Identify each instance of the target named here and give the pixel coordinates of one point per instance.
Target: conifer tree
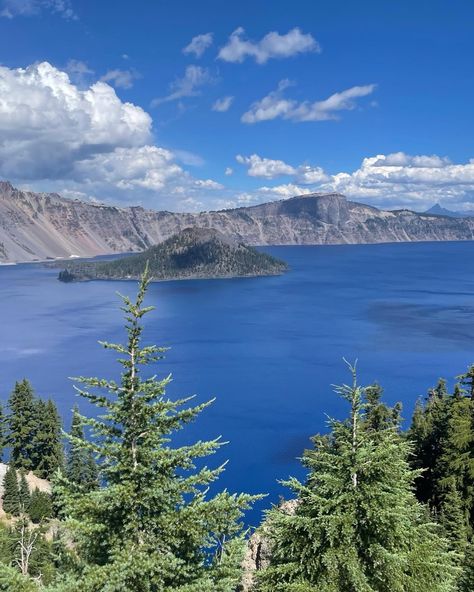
(3, 432)
(453, 519)
(466, 580)
(23, 425)
(48, 454)
(23, 493)
(358, 526)
(81, 467)
(40, 506)
(151, 525)
(11, 493)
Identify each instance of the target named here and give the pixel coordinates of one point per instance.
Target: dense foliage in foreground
(380, 511)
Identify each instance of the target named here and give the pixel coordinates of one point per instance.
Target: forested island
(381, 509)
(190, 254)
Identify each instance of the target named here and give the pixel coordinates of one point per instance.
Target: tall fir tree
(23, 493)
(48, 453)
(11, 493)
(151, 525)
(23, 425)
(357, 526)
(81, 468)
(3, 432)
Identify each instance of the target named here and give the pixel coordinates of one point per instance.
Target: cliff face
(39, 225)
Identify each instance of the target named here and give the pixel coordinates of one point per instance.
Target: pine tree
(151, 525)
(22, 423)
(467, 380)
(40, 506)
(3, 432)
(453, 519)
(466, 581)
(427, 434)
(24, 493)
(48, 454)
(81, 467)
(11, 493)
(358, 526)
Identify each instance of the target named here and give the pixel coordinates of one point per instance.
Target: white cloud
(223, 104)
(187, 86)
(121, 78)
(88, 143)
(284, 191)
(401, 180)
(265, 167)
(229, 171)
(208, 184)
(273, 45)
(13, 8)
(199, 44)
(275, 105)
(308, 175)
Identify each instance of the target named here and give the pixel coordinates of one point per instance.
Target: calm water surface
(267, 348)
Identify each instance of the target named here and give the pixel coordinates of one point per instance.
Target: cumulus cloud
(121, 78)
(13, 8)
(222, 105)
(265, 167)
(188, 85)
(284, 191)
(275, 105)
(308, 175)
(199, 44)
(401, 180)
(273, 45)
(229, 171)
(87, 142)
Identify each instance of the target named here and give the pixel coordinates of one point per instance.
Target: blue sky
(373, 99)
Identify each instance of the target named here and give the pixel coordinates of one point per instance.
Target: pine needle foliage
(151, 525)
(357, 526)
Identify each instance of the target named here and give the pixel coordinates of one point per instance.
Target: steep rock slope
(38, 225)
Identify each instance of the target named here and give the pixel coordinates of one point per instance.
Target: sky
(190, 105)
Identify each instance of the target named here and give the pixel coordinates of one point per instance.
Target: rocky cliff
(39, 225)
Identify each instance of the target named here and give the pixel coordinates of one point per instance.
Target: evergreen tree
(48, 454)
(81, 467)
(453, 519)
(466, 581)
(3, 432)
(358, 526)
(23, 425)
(427, 434)
(40, 506)
(151, 526)
(467, 380)
(23, 493)
(11, 493)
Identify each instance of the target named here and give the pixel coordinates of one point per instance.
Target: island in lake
(192, 253)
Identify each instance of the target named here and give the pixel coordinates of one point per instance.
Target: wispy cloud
(121, 78)
(222, 105)
(199, 44)
(27, 8)
(276, 105)
(273, 45)
(189, 85)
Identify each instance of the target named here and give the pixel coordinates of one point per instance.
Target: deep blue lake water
(267, 348)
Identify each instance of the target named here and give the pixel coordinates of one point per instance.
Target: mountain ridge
(39, 226)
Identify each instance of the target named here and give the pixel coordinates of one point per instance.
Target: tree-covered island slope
(192, 253)
(380, 509)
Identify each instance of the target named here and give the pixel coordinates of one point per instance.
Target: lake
(268, 349)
